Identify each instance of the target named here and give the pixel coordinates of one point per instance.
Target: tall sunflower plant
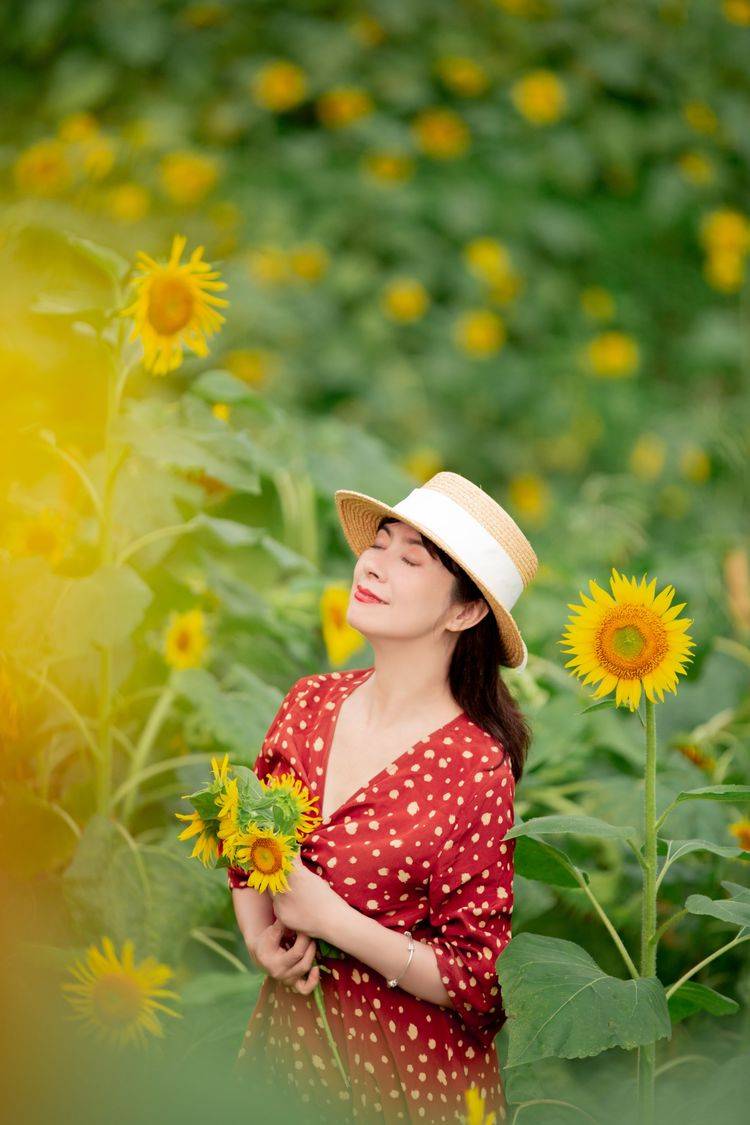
(632, 642)
(149, 314)
(256, 825)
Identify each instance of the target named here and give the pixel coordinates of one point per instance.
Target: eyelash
(377, 547)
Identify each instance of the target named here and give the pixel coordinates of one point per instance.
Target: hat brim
(360, 514)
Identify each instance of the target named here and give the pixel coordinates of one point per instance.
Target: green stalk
(706, 961)
(647, 1053)
(297, 499)
(143, 748)
(607, 922)
(104, 703)
(318, 994)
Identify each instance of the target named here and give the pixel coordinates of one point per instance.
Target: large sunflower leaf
(238, 720)
(693, 997)
(730, 910)
(579, 825)
(730, 793)
(676, 849)
(560, 1003)
(536, 859)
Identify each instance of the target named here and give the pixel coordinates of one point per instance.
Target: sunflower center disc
(170, 306)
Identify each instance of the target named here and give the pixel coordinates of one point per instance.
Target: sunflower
(740, 829)
(173, 307)
(630, 640)
(221, 769)
(206, 847)
(266, 855)
(475, 1108)
(227, 806)
(405, 299)
(287, 783)
(117, 999)
(185, 640)
(46, 533)
(340, 638)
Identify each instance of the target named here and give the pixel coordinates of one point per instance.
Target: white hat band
(471, 541)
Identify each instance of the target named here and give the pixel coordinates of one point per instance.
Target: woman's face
(414, 585)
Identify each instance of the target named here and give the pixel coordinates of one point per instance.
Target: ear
(468, 615)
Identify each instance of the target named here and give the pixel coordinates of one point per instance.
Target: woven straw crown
(462, 519)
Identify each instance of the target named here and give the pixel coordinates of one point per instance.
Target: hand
(308, 903)
(290, 966)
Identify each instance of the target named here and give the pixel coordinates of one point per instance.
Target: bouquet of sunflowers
(241, 821)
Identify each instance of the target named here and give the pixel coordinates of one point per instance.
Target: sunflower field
(251, 253)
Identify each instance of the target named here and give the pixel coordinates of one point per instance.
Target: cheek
(416, 595)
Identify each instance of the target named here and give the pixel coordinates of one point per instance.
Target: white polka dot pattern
(418, 847)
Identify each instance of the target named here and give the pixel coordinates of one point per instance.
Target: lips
(367, 595)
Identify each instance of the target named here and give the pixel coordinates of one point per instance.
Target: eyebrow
(411, 539)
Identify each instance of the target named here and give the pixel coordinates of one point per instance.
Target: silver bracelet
(412, 945)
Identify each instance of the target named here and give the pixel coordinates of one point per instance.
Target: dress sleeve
(470, 898)
(266, 759)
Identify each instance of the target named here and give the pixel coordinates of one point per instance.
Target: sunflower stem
(297, 499)
(154, 536)
(143, 748)
(608, 923)
(647, 1052)
(669, 922)
(202, 937)
(318, 994)
(104, 702)
(665, 814)
(706, 961)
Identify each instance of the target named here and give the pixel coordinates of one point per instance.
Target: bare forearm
(386, 951)
(253, 910)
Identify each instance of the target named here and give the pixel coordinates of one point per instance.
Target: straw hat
(468, 525)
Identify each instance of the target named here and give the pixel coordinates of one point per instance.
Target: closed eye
(377, 547)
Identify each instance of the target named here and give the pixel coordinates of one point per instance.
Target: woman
(413, 762)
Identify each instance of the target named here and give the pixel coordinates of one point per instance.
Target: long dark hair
(475, 682)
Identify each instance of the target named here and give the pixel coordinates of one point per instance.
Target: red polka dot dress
(419, 847)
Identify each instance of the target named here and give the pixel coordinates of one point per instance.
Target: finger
(291, 976)
(276, 928)
(306, 984)
(294, 956)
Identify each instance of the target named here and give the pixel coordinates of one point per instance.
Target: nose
(373, 572)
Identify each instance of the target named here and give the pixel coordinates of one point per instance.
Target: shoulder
(484, 756)
(316, 689)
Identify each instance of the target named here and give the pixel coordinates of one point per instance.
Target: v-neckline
(334, 716)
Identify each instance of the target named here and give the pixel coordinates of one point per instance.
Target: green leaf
(34, 835)
(679, 848)
(736, 890)
(204, 803)
(220, 386)
(99, 610)
(230, 533)
(238, 720)
(152, 894)
(73, 275)
(580, 825)
(692, 997)
(561, 1004)
(536, 859)
(104, 257)
(68, 304)
(730, 793)
(601, 703)
(157, 432)
(730, 910)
